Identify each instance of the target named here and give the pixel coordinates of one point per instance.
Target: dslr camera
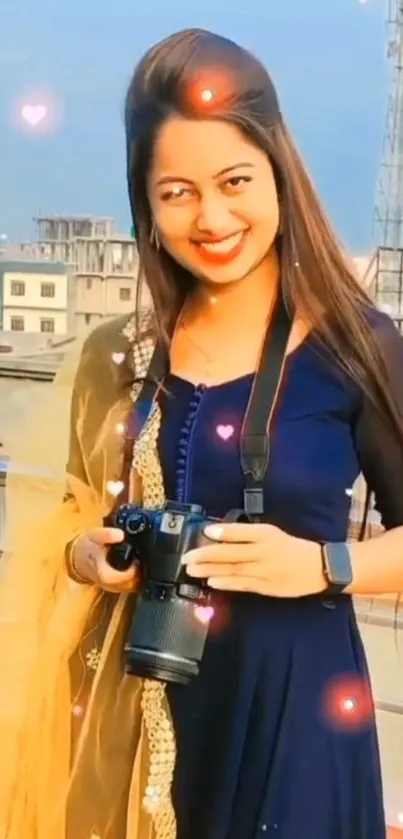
(170, 621)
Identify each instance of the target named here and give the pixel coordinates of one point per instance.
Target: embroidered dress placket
(182, 463)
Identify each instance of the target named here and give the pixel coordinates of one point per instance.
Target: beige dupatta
(89, 752)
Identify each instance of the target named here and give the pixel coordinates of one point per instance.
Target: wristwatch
(337, 568)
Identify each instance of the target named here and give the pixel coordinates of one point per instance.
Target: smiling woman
(222, 217)
(276, 735)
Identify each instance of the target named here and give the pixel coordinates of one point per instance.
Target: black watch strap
(337, 568)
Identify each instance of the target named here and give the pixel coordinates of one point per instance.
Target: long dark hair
(317, 279)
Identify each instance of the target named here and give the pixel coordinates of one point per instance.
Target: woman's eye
(176, 193)
(237, 181)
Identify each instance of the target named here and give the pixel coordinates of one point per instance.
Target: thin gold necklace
(196, 345)
(209, 361)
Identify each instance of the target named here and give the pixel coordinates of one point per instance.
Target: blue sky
(327, 58)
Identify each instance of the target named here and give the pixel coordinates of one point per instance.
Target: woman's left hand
(257, 558)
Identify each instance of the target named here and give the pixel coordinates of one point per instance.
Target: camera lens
(166, 639)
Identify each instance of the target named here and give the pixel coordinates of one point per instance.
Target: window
(47, 325)
(89, 283)
(17, 324)
(47, 290)
(17, 288)
(125, 293)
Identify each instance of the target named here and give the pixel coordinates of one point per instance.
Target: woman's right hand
(88, 561)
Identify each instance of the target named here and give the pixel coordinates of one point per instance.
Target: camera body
(169, 627)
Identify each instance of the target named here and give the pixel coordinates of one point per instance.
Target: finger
(223, 552)
(217, 570)
(94, 552)
(106, 535)
(237, 532)
(109, 576)
(253, 585)
(119, 587)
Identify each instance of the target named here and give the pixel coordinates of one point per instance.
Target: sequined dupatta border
(160, 739)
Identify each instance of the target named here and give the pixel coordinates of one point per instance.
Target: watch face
(338, 564)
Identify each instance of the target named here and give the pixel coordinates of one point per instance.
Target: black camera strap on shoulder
(255, 440)
(157, 370)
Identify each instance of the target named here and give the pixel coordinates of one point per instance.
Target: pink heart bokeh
(118, 357)
(33, 114)
(225, 431)
(204, 613)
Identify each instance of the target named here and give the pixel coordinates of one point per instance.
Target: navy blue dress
(276, 737)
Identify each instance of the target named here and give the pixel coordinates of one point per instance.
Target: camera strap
(255, 436)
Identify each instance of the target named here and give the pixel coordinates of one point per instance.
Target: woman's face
(213, 197)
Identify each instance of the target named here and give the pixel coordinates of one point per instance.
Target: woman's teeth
(225, 246)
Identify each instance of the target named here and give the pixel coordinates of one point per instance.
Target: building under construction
(103, 264)
(388, 218)
(57, 232)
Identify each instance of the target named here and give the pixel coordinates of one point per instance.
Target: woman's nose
(213, 216)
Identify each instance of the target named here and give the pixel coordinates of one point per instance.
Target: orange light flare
(347, 703)
(208, 93)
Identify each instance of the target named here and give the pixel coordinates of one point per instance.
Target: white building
(34, 297)
(104, 266)
(104, 280)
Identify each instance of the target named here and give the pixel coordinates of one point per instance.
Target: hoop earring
(154, 237)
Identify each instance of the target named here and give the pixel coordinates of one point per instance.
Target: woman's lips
(223, 251)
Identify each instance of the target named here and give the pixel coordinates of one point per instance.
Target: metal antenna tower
(388, 216)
